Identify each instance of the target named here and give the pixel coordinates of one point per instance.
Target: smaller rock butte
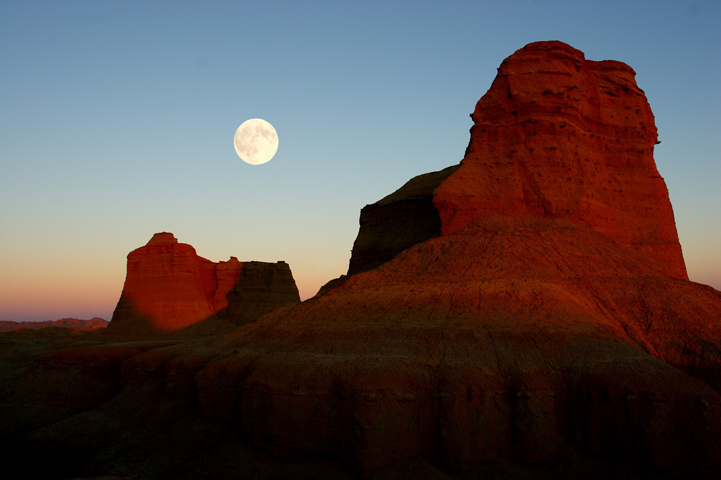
(169, 287)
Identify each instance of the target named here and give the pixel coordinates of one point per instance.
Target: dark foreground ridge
(525, 314)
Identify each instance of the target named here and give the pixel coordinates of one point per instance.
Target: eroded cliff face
(169, 287)
(564, 137)
(556, 135)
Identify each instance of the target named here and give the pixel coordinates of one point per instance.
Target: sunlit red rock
(169, 287)
(556, 136)
(560, 136)
(498, 321)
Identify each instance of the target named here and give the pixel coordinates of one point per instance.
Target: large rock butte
(556, 136)
(169, 287)
(523, 315)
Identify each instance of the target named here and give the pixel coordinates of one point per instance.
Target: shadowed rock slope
(400, 220)
(513, 338)
(536, 324)
(169, 288)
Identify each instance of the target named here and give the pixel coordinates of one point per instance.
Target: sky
(117, 121)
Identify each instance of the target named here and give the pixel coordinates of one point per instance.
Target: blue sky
(117, 120)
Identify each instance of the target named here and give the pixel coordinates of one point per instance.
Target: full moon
(256, 141)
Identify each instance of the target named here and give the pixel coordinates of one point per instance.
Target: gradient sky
(117, 121)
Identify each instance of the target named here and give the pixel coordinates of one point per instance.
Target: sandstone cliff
(522, 315)
(556, 136)
(169, 287)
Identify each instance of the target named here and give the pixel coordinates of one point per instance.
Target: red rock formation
(564, 137)
(557, 136)
(530, 316)
(512, 338)
(526, 345)
(530, 331)
(169, 287)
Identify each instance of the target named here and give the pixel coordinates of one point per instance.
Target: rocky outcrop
(513, 338)
(515, 332)
(259, 288)
(398, 221)
(564, 137)
(527, 346)
(169, 287)
(556, 136)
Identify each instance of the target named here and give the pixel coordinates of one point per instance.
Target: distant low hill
(93, 323)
